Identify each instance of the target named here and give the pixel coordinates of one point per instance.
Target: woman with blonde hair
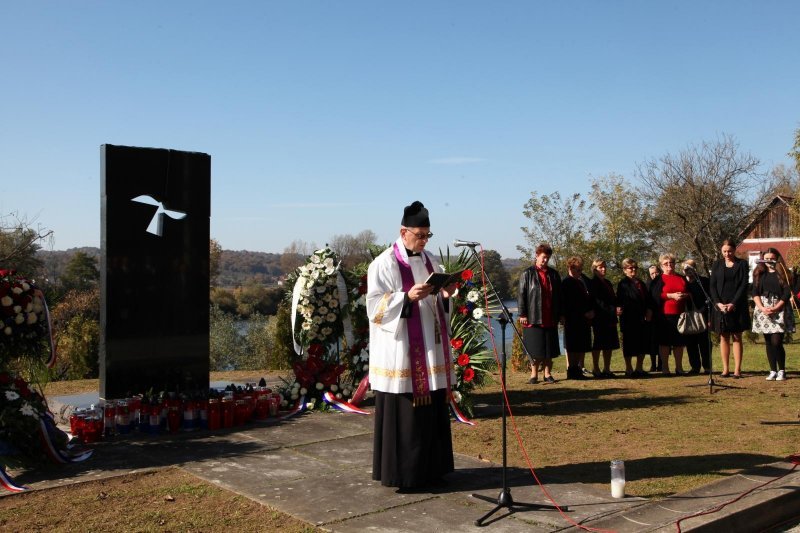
(670, 292)
(636, 308)
(604, 326)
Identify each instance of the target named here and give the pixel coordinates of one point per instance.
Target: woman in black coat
(633, 298)
(731, 314)
(604, 326)
(578, 315)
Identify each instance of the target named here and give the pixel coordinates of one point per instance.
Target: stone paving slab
(317, 467)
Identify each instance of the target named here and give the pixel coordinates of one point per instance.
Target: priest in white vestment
(410, 366)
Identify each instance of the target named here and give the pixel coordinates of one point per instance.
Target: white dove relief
(157, 223)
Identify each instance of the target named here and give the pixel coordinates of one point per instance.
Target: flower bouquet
(24, 318)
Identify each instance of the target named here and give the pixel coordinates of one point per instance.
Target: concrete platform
(317, 467)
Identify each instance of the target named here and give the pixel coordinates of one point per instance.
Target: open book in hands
(443, 279)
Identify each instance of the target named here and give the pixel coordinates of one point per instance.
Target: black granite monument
(154, 268)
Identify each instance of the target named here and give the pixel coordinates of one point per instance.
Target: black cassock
(412, 445)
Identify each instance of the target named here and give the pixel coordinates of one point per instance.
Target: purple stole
(416, 337)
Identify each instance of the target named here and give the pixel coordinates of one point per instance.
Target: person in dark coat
(540, 311)
(653, 272)
(698, 347)
(604, 326)
(578, 316)
(731, 314)
(636, 305)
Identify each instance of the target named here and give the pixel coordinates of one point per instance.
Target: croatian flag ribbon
(339, 405)
(298, 408)
(8, 483)
(53, 452)
(361, 391)
(458, 414)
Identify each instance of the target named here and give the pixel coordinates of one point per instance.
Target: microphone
(458, 243)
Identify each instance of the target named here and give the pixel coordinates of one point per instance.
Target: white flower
(16, 290)
(356, 359)
(29, 307)
(303, 391)
(7, 330)
(363, 300)
(11, 395)
(326, 331)
(27, 410)
(320, 386)
(323, 310)
(310, 403)
(365, 368)
(321, 289)
(330, 317)
(31, 318)
(284, 403)
(317, 319)
(328, 262)
(19, 319)
(477, 313)
(25, 286)
(457, 396)
(6, 301)
(306, 326)
(473, 296)
(334, 303)
(17, 308)
(334, 387)
(315, 258)
(294, 396)
(296, 385)
(338, 395)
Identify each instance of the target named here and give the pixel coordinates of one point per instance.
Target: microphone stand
(711, 383)
(504, 499)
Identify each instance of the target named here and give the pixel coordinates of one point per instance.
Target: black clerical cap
(416, 216)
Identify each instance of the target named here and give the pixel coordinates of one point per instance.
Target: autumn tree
(214, 261)
(497, 273)
(19, 242)
(81, 273)
(700, 196)
(623, 228)
(295, 255)
(565, 224)
(353, 249)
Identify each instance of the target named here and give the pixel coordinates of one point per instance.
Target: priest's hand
(450, 290)
(419, 291)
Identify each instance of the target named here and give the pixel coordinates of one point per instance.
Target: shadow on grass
(598, 472)
(566, 401)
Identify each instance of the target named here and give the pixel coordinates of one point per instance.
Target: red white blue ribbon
(458, 414)
(298, 408)
(53, 452)
(361, 391)
(339, 405)
(7, 483)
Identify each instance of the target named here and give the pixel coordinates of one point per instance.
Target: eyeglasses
(420, 235)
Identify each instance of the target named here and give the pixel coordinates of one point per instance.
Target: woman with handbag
(671, 293)
(771, 295)
(698, 347)
(731, 315)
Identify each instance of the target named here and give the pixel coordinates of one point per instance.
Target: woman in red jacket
(671, 292)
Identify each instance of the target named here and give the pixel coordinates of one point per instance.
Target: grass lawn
(673, 434)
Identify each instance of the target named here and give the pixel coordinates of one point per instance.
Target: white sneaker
(772, 375)
(781, 375)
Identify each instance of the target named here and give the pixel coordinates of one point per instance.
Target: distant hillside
(237, 267)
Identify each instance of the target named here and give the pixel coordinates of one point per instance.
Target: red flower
(463, 310)
(457, 343)
(466, 275)
(468, 374)
(463, 359)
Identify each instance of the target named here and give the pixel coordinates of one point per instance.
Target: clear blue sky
(327, 117)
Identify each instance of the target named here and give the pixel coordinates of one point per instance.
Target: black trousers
(699, 351)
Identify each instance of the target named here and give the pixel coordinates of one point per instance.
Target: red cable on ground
(513, 420)
(794, 459)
